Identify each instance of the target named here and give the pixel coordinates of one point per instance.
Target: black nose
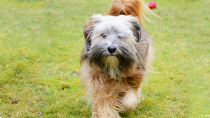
(111, 49)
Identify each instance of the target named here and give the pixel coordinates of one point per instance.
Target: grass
(40, 45)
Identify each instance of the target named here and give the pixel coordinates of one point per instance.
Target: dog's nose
(111, 49)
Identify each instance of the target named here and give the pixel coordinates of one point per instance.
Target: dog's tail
(136, 8)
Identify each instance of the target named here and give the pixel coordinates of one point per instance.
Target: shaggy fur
(131, 7)
(112, 79)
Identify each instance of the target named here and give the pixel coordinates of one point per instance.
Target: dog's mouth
(114, 63)
(111, 55)
(112, 59)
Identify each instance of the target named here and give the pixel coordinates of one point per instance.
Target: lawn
(40, 46)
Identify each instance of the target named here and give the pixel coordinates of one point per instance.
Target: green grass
(40, 45)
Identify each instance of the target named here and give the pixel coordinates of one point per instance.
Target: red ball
(152, 4)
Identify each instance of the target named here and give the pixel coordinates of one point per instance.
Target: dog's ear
(136, 27)
(137, 30)
(88, 28)
(87, 31)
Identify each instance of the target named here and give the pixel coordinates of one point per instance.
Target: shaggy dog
(116, 58)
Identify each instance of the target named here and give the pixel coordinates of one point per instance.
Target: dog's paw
(130, 101)
(105, 115)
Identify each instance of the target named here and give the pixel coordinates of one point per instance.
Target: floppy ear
(136, 27)
(137, 30)
(88, 28)
(87, 31)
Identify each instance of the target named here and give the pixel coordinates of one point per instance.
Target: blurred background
(41, 42)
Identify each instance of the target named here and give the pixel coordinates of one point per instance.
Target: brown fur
(108, 95)
(105, 93)
(136, 8)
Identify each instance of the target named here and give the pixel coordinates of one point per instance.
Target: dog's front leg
(105, 107)
(131, 99)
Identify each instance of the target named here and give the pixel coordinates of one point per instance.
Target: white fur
(101, 88)
(130, 101)
(113, 26)
(112, 62)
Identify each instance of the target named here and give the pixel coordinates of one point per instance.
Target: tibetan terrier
(116, 58)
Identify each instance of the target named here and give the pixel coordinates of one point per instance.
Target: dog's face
(111, 43)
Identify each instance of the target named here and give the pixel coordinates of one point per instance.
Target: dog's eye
(120, 37)
(103, 35)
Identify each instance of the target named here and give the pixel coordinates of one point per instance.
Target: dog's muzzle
(112, 49)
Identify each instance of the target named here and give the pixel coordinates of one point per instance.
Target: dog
(116, 57)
